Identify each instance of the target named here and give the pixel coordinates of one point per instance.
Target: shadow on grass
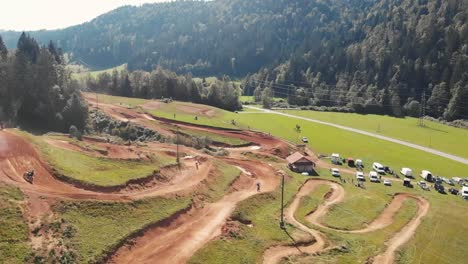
(295, 243)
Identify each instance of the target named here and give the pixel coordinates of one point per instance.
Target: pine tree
(3, 50)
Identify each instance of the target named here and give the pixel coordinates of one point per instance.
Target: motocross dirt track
(17, 156)
(336, 196)
(177, 242)
(187, 233)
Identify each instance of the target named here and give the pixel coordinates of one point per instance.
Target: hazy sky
(52, 14)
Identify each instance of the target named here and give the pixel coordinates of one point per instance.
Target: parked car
(359, 163)
(351, 162)
(453, 191)
(438, 179)
(387, 182)
(360, 176)
(335, 158)
(439, 187)
(305, 140)
(407, 172)
(335, 172)
(423, 185)
(388, 170)
(449, 182)
(407, 182)
(373, 176)
(378, 168)
(456, 179)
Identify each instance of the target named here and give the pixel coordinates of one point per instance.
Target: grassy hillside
(83, 74)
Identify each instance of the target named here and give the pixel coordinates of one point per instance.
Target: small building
(300, 163)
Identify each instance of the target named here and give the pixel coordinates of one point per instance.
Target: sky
(30, 15)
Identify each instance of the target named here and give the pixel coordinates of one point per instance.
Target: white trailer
(426, 175)
(407, 172)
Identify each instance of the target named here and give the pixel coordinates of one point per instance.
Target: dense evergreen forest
(164, 84)
(36, 91)
(370, 56)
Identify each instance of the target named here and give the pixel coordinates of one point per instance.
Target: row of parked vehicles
(427, 176)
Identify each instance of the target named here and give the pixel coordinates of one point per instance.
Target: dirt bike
(29, 176)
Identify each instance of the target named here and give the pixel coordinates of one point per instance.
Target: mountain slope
(371, 56)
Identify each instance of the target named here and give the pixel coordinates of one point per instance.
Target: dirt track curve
(275, 254)
(177, 242)
(17, 156)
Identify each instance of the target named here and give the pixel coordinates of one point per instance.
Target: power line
(331, 91)
(282, 94)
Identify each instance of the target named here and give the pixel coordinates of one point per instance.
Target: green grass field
(14, 247)
(93, 170)
(99, 225)
(215, 137)
(434, 135)
(82, 75)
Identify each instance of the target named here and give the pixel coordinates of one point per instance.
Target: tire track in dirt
(275, 254)
(177, 242)
(17, 156)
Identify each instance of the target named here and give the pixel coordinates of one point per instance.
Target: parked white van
(427, 175)
(464, 192)
(379, 168)
(373, 176)
(407, 172)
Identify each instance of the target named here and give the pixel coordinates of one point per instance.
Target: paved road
(370, 134)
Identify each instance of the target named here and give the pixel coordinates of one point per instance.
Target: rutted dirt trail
(386, 218)
(177, 242)
(17, 156)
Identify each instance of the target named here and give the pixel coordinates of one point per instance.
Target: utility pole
(97, 101)
(177, 142)
(282, 202)
(422, 111)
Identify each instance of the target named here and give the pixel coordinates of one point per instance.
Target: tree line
(369, 56)
(164, 84)
(36, 91)
(397, 57)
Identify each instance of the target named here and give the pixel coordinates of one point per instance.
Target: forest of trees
(36, 91)
(161, 83)
(370, 56)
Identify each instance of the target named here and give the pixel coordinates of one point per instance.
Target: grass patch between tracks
(218, 186)
(101, 225)
(95, 170)
(14, 246)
